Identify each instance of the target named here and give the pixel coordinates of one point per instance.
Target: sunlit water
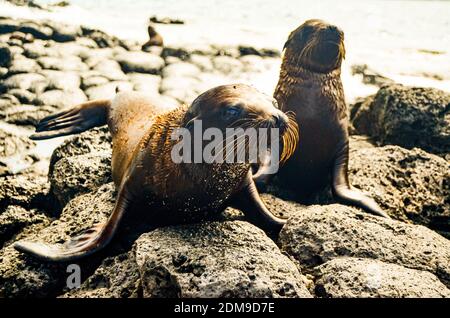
(407, 41)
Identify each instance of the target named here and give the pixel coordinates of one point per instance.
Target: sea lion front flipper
(248, 201)
(344, 192)
(72, 121)
(84, 244)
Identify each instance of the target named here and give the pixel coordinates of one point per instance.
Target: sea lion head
(151, 30)
(239, 105)
(315, 45)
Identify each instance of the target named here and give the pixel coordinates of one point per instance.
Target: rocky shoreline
(399, 154)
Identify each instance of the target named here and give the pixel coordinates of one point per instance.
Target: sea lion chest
(320, 112)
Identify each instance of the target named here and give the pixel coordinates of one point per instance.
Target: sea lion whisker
(228, 141)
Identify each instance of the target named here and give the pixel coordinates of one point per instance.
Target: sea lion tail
(75, 120)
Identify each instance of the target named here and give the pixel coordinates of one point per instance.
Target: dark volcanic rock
(140, 62)
(368, 278)
(117, 277)
(81, 164)
(74, 175)
(23, 276)
(11, 145)
(5, 56)
(15, 218)
(34, 82)
(227, 259)
(370, 76)
(409, 184)
(406, 116)
(322, 233)
(60, 98)
(102, 39)
(26, 190)
(97, 140)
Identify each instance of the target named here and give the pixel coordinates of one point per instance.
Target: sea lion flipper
(248, 201)
(84, 244)
(72, 121)
(344, 192)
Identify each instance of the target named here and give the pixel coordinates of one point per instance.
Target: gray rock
(322, 233)
(227, 64)
(14, 218)
(248, 50)
(368, 278)
(117, 277)
(11, 145)
(66, 63)
(16, 50)
(37, 29)
(184, 84)
(3, 72)
(33, 82)
(37, 49)
(64, 32)
(411, 185)
(102, 39)
(66, 81)
(72, 176)
(5, 56)
(228, 259)
(172, 60)
(145, 82)
(181, 69)
(24, 96)
(110, 69)
(94, 56)
(61, 99)
(406, 116)
(370, 76)
(95, 80)
(96, 140)
(23, 276)
(202, 61)
(180, 53)
(253, 63)
(108, 91)
(189, 261)
(140, 62)
(26, 190)
(23, 65)
(26, 115)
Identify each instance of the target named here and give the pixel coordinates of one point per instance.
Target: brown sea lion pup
(155, 39)
(143, 165)
(310, 86)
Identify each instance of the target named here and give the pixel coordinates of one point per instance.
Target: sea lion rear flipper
(248, 201)
(72, 121)
(84, 244)
(344, 192)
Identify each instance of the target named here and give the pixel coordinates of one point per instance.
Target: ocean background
(407, 41)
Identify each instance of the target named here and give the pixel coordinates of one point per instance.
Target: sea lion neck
(295, 70)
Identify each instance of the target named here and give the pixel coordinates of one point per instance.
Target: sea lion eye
(231, 112)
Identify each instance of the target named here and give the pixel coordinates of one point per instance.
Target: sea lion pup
(143, 165)
(310, 86)
(155, 39)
